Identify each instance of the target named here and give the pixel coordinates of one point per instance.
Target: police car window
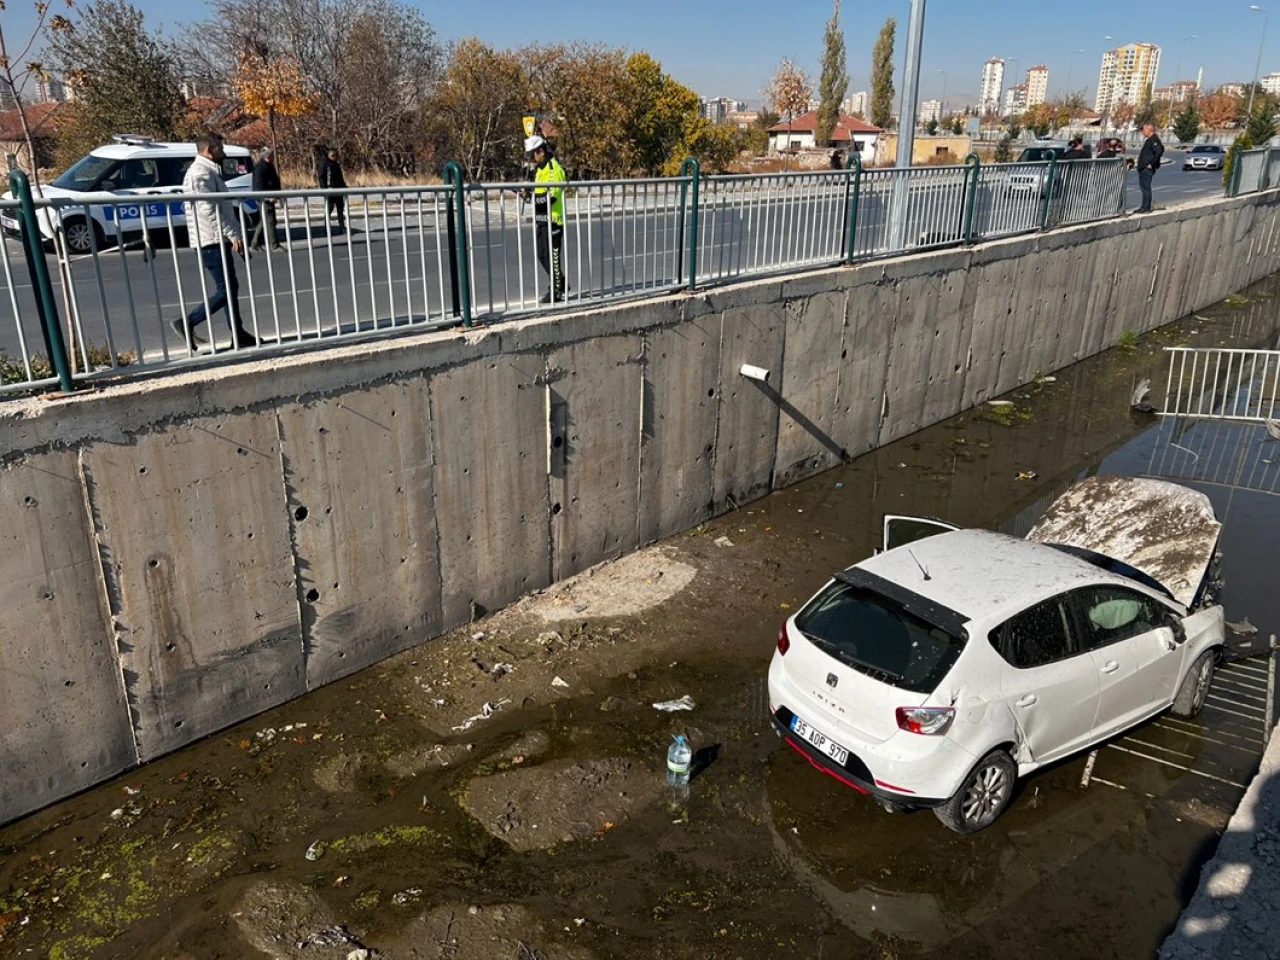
(173, 169)
(234, 167)
(84, 174)
(137, 175)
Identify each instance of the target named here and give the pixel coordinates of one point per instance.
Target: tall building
(50, 90)
(930, 110)
(1037, 84)
(1015, 100)
(1127, 72)
(856, 105)
(1183, 90)
(992, 84)
(1271, 84)
(717, 109)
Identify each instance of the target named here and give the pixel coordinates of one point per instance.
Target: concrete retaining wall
(180, 554)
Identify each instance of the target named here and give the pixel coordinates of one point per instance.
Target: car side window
(173, 170)
(1113, 614)
(137, 175)
(1037, 636)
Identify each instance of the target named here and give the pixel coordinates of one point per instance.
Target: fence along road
(398, 266)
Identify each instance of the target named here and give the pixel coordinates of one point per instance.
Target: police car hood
(1167, 531)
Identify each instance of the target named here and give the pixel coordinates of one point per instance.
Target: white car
(120, 186)
(937, 672)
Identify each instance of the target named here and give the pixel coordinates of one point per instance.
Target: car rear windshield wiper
(849, 659)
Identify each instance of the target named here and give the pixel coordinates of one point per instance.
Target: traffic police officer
(548, 215)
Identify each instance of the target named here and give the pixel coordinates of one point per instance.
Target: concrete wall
(182, 553)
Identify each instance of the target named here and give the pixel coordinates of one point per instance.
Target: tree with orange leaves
(273, 88)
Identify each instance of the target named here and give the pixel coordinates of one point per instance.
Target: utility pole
(907, 122)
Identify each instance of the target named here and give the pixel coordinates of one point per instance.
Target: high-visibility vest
(550, 172)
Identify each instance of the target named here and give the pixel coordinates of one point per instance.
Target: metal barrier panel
(1252, 166)
(1010, 199)
(913, 209)
(1222, 383)
(1273, 169)
(24, 355)
(1087, 190)
(619, 238)
(123, 300)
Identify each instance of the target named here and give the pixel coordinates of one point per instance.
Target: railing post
(1048, 190)
(453, 177)
(691, 163)
(1233, 187)
(853, 197)
(971, 196)
(1266, 169)
(32, 246)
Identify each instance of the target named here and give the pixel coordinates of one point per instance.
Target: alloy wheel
(986, 794)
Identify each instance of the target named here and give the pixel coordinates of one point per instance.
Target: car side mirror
(1179, 631)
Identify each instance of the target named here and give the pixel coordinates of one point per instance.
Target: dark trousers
(337, 209)
(265, 231)
(550, 246)
(1144, 184)
(224, 283)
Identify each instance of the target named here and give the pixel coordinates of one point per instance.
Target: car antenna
(923, 571)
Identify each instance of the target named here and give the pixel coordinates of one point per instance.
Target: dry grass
(301, 179)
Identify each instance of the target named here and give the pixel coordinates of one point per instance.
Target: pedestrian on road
(1075, 150)
(213, 228)
(837, 160)
(1148, 164)
(331, 178)
(265, 177)
(1107, 149)
(548, 216)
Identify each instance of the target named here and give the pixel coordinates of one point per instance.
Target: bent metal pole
(907, 121)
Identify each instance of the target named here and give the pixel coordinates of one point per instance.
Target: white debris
(499, 670)
(558, 682)
(1244, 628)
(478, 635)
(117, 813)
(406, 896)
(723, 542)
(487, 711)
(1000, 403)
(671, 706)
(316, 850)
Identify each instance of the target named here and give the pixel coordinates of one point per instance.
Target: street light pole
(1257, 70)
(1015, 79)
(943, 108)
(1071, 67)
(907, 122)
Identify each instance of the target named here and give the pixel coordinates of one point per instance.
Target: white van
(130, 166)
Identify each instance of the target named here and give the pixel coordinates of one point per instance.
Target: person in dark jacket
(1075, 150)
(331, 178)
(265, 177)
(1107, 149)
(1148, 164)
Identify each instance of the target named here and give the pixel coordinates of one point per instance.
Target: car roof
(128, 151)
(985, 576)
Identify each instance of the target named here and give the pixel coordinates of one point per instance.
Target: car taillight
(784, 642)
(927, 721)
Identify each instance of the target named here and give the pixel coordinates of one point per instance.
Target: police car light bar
(133, 139)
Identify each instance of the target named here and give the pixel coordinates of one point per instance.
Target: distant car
(936, 673)
(1204, 156)
(127, 176)
(1036, 179)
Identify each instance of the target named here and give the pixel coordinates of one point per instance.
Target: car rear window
(1206, 149)
(874, 635)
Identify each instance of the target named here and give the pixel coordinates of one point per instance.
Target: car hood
(1167, 531)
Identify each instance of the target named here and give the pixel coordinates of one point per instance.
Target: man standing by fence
(265, 177)
(213, 229)
(1148, 164)
(548, 216)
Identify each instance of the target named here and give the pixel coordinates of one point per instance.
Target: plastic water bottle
(679, 759)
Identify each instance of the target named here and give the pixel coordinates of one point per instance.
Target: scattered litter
(671, 706)
(1000, 403)
(360, 953)
(437, 703)
(132, 791)
(784, 606)
(478, 635)
(341, 881)
(266, 736)
(1027, 474)
(487, 711)
(558, 682)
(1047, 380)
(839, 486)
(407, 896)
(117, 813)
(500, 670)
(579, 921)
(334, 936)
(723, 542)
(1244, 628)
(316, 850)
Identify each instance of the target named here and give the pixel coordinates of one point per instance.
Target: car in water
(118, 190)
(939, 671)
(1204, 156)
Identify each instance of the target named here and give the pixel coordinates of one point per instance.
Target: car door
(900, 530)
(1137, 653)
(1051, 686)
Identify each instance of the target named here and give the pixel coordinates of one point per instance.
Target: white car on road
(937, 672)
(120, 186)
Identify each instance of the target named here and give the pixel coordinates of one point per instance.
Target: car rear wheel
(81, 235)
(1195, 687)
(983, 796)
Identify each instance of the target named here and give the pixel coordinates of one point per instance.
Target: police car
(129, 167)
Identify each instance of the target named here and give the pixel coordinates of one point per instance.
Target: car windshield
(876, 636)
(84, 173)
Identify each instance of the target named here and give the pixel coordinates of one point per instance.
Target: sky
(730, 49)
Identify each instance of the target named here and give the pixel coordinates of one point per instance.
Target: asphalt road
(391, 272)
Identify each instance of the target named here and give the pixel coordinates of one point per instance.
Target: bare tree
(16, 70)
(789, 93)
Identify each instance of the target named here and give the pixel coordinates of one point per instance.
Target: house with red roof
(849, 133)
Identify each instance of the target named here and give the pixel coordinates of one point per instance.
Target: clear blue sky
(723, 48)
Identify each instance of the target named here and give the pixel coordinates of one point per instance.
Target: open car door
(900, 530)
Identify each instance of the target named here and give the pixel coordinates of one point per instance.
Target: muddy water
(203, 854)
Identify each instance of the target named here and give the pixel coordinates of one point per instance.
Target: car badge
(832, 679)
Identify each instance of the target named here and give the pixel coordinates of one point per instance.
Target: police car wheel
(80, 235)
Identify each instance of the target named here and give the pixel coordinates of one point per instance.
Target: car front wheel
(1195, 687)
(81, 235)
(983, 796)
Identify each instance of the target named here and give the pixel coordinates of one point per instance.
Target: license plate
(8, 223)
(820, 740)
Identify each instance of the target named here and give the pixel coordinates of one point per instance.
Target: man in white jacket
(213, 228)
